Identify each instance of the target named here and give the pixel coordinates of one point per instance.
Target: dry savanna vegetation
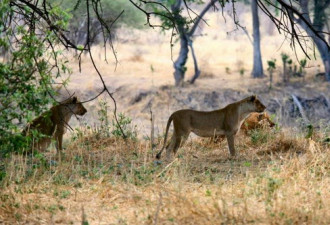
(280, 175)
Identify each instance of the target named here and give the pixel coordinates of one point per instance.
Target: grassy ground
(278, 178)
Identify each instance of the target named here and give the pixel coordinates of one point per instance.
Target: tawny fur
(254, 121)
(52, 124)
(225, 121)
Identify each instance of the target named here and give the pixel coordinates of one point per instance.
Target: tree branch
(199, 18)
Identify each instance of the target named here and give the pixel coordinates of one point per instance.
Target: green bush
(125, 124)
(26, 75)
(109, 11)
(131, 17)
(259, 136)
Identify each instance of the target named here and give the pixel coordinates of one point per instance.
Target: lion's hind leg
(179, 143)
(178, 139)
(170, 147)
(174, 145)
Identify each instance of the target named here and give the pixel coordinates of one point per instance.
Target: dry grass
(277, 179)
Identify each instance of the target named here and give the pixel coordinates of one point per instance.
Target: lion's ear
(260, 116)
(74, 99)
(253, 98)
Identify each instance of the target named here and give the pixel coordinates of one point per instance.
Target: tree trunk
(190, 41)
(324, 51)
(318, 23)
(257, 62)
(180, 62)
(325, 55)
(197, 71)
(285, 72)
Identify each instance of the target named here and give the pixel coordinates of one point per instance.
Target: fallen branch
(169, 165)
(300, 108)
(326, 99)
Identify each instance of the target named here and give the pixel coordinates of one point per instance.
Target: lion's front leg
(231, 145)
(59, 140)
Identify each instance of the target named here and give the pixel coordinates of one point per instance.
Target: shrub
(125, 124)
(259, 136)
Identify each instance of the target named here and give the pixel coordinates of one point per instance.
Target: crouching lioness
(257, 121)
(53, 123)
(226, 121)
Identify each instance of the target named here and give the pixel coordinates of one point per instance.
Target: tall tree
(257, 61)
(170, 13)
(186, 39)
(318, 24)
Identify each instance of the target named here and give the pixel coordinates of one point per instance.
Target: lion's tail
(165, 139)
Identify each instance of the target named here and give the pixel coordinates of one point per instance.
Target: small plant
(103, 118)
(65, 194)
(302, 66)
(52, 209)
(273, 184)
(301, 71)
(290, 72)
(125, 123)
(78, 133)
(227, 70)
(290, 69)
(258, 136)
(309, 131)
(240, 67)
(241, 71)
(284, 57)
(285, 60)
(271, 67)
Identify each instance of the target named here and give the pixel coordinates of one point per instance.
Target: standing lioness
(53, 123)
(225, 121)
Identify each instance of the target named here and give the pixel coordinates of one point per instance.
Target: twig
(83, 216)
(158, 208)
(152, 131)
(98, 72)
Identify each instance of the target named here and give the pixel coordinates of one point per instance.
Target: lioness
(52, 124)
(225, 121)
(255, 120)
